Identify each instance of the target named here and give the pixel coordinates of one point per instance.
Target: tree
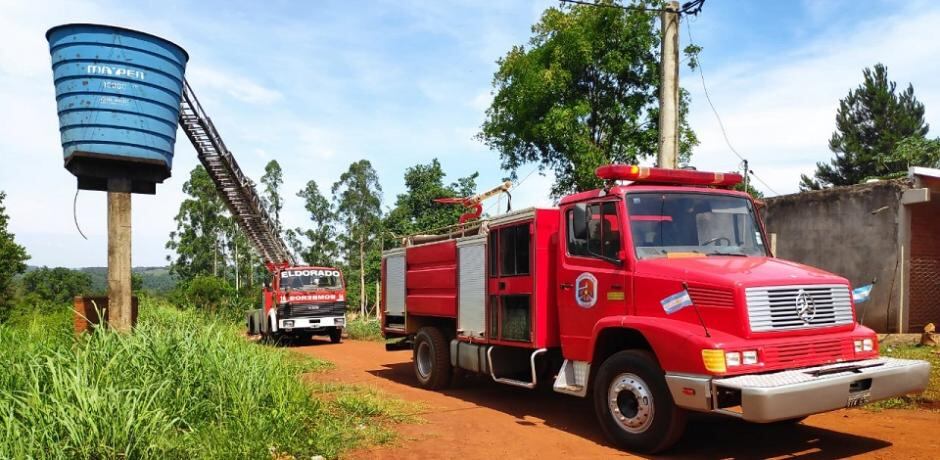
(321, 235)
(870, 122)
(917, 151)
(358, 198)
(57, 284)
(272, 179)
(13, 257)
(201, 225)
(416, 211)
(583, 93)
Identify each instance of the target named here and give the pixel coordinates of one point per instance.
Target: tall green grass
(364, 329)
(180, 386)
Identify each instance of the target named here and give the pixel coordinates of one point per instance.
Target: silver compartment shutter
(395, 284)
(471, 317)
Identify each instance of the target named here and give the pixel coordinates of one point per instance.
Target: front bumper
(292, 324)
(782, 395)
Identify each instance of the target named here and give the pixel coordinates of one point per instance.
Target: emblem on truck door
(585, 290)
(805, 306)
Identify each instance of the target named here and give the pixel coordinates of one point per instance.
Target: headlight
(289, 323)
(750, 357)
(340, 321)
(864, 345)
(733, 358)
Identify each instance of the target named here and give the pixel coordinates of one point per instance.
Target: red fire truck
(656, 297)
(300, 302)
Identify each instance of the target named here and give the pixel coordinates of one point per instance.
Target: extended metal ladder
(237, 191)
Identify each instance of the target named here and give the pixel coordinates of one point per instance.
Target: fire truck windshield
(309, 280)
(677, 224)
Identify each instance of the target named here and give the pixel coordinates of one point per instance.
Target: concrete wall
(849, 231)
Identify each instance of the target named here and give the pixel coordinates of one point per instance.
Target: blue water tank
(118, 92)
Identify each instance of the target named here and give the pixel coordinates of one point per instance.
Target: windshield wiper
(735, 254)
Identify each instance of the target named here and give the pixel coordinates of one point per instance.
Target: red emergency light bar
(667, 176)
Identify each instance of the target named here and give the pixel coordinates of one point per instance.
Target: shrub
(364, 329)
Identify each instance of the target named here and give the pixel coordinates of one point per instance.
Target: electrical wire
(75, 214)
(718, 117)
(515, 185)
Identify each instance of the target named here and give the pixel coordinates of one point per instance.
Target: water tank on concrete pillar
(118, 93)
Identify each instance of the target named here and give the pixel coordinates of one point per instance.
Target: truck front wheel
(432, 359)
(633, 403)
(336, 335)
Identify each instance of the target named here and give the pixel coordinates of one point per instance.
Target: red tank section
(431, 279)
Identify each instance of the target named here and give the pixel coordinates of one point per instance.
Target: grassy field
(929, 399)
(364, 329)
(180, 386)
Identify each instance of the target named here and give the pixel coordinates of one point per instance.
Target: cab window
(593, 230)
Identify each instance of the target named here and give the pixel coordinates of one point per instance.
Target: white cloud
(779, 112)
(234, 85)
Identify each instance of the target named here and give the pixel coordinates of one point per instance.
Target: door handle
(616, 286)
(566, 286)
(502, 285)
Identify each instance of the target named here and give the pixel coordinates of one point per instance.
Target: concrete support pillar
(119, 261)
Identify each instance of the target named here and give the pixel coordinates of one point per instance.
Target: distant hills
(156, 279)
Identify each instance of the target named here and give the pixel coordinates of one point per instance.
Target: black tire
(789, 421)
(431, 358)
(649, 421)
(336, 335)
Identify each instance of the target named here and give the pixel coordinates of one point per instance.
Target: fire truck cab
(300, 302)
(656, 297)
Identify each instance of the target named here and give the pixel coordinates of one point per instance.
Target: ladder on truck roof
(236, 189)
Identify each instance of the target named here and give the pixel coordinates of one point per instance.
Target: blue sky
(317, 85)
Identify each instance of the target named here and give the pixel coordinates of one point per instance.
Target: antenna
(697, 313)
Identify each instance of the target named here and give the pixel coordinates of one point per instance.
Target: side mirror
(579, 221)
(267, 284)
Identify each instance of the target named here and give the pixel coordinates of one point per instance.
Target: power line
(718, 117)
(515, 186)
(692, 7)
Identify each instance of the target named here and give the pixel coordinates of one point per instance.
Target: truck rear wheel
(431, 359)
(633, 403)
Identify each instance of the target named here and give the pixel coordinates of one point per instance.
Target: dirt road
(484, 420)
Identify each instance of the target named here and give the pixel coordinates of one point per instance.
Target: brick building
(882, 231)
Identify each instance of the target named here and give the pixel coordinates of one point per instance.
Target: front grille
(808, 352)
(313, 309)
(780, 308)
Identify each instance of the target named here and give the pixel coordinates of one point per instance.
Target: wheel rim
(630, 403)
(423, 360)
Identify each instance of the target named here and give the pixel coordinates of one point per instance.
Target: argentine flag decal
(862, 294)
(676, 302)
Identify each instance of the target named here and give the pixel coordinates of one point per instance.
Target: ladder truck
(655, 295)
(299, 301)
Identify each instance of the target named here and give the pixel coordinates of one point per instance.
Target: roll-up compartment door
(471, 317)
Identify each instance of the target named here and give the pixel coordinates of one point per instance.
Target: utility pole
(746, 175)
(669, 88)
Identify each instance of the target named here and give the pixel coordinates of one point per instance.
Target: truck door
(593, 276)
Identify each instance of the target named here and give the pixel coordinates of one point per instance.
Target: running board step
(514, 382)
(572, 379)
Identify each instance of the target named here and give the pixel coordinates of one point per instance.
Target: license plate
(858, 399)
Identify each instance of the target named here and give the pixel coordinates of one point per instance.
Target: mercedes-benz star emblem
(805, 306)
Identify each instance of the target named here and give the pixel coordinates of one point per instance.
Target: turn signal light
(714, 360)
(667, 176)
